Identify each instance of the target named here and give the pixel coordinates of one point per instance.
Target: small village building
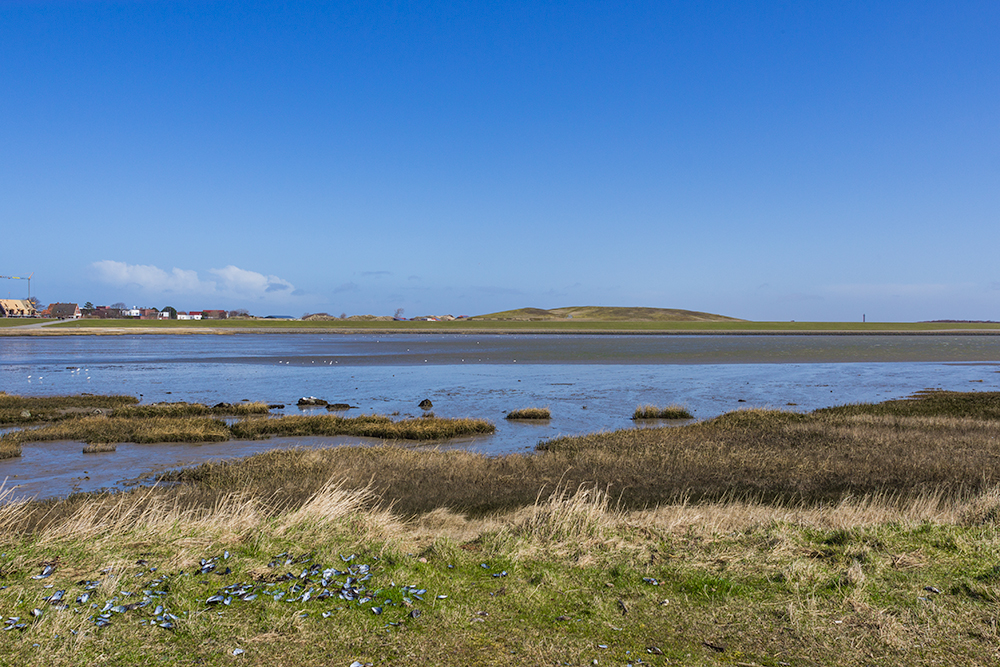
(65, 311)
(106, 313)
(213, 315)
(16, 308)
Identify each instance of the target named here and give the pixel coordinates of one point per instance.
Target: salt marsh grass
(33, 409)
(530, 413)
(188, 422)
(372, 426)
(124, 429)
(570, 577)
(865, 535)
(191, 410)
(668, 412)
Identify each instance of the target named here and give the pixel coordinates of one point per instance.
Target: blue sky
(770, 161)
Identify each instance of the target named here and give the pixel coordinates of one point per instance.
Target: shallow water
(590, 383)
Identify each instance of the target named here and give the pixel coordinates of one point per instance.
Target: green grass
(605, 313)
(566, 580)
(928, 403)
(18, 321)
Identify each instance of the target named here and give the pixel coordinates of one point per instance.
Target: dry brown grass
(530, 413)
(372, 426)
(191, 410)
(101, 428)
(16, 409)
(668, 412)
(782, 459)
(150, 427)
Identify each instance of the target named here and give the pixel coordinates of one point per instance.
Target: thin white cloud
(230, 281)
(240, 281)
(147, 277)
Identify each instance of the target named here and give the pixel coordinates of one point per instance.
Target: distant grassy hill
(605, 314)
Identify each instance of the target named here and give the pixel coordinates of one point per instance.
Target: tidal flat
(865, 533)
(589, 383)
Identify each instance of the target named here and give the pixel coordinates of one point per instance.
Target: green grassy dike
(757, 538)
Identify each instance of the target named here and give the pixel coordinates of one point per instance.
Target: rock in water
(311, 400)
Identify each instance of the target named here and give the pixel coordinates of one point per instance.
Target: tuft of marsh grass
(668, 412)
(530, 413)
(9, 449)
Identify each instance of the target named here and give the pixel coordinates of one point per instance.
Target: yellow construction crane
(20, 278)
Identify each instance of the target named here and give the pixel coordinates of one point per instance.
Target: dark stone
(222, 406)
(425, 404)
(276, 406)
(340, 406)
(311, 400)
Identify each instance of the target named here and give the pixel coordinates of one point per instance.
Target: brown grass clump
(530, 413)
(668, 412)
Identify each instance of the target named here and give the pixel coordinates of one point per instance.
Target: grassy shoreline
(861, 534)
